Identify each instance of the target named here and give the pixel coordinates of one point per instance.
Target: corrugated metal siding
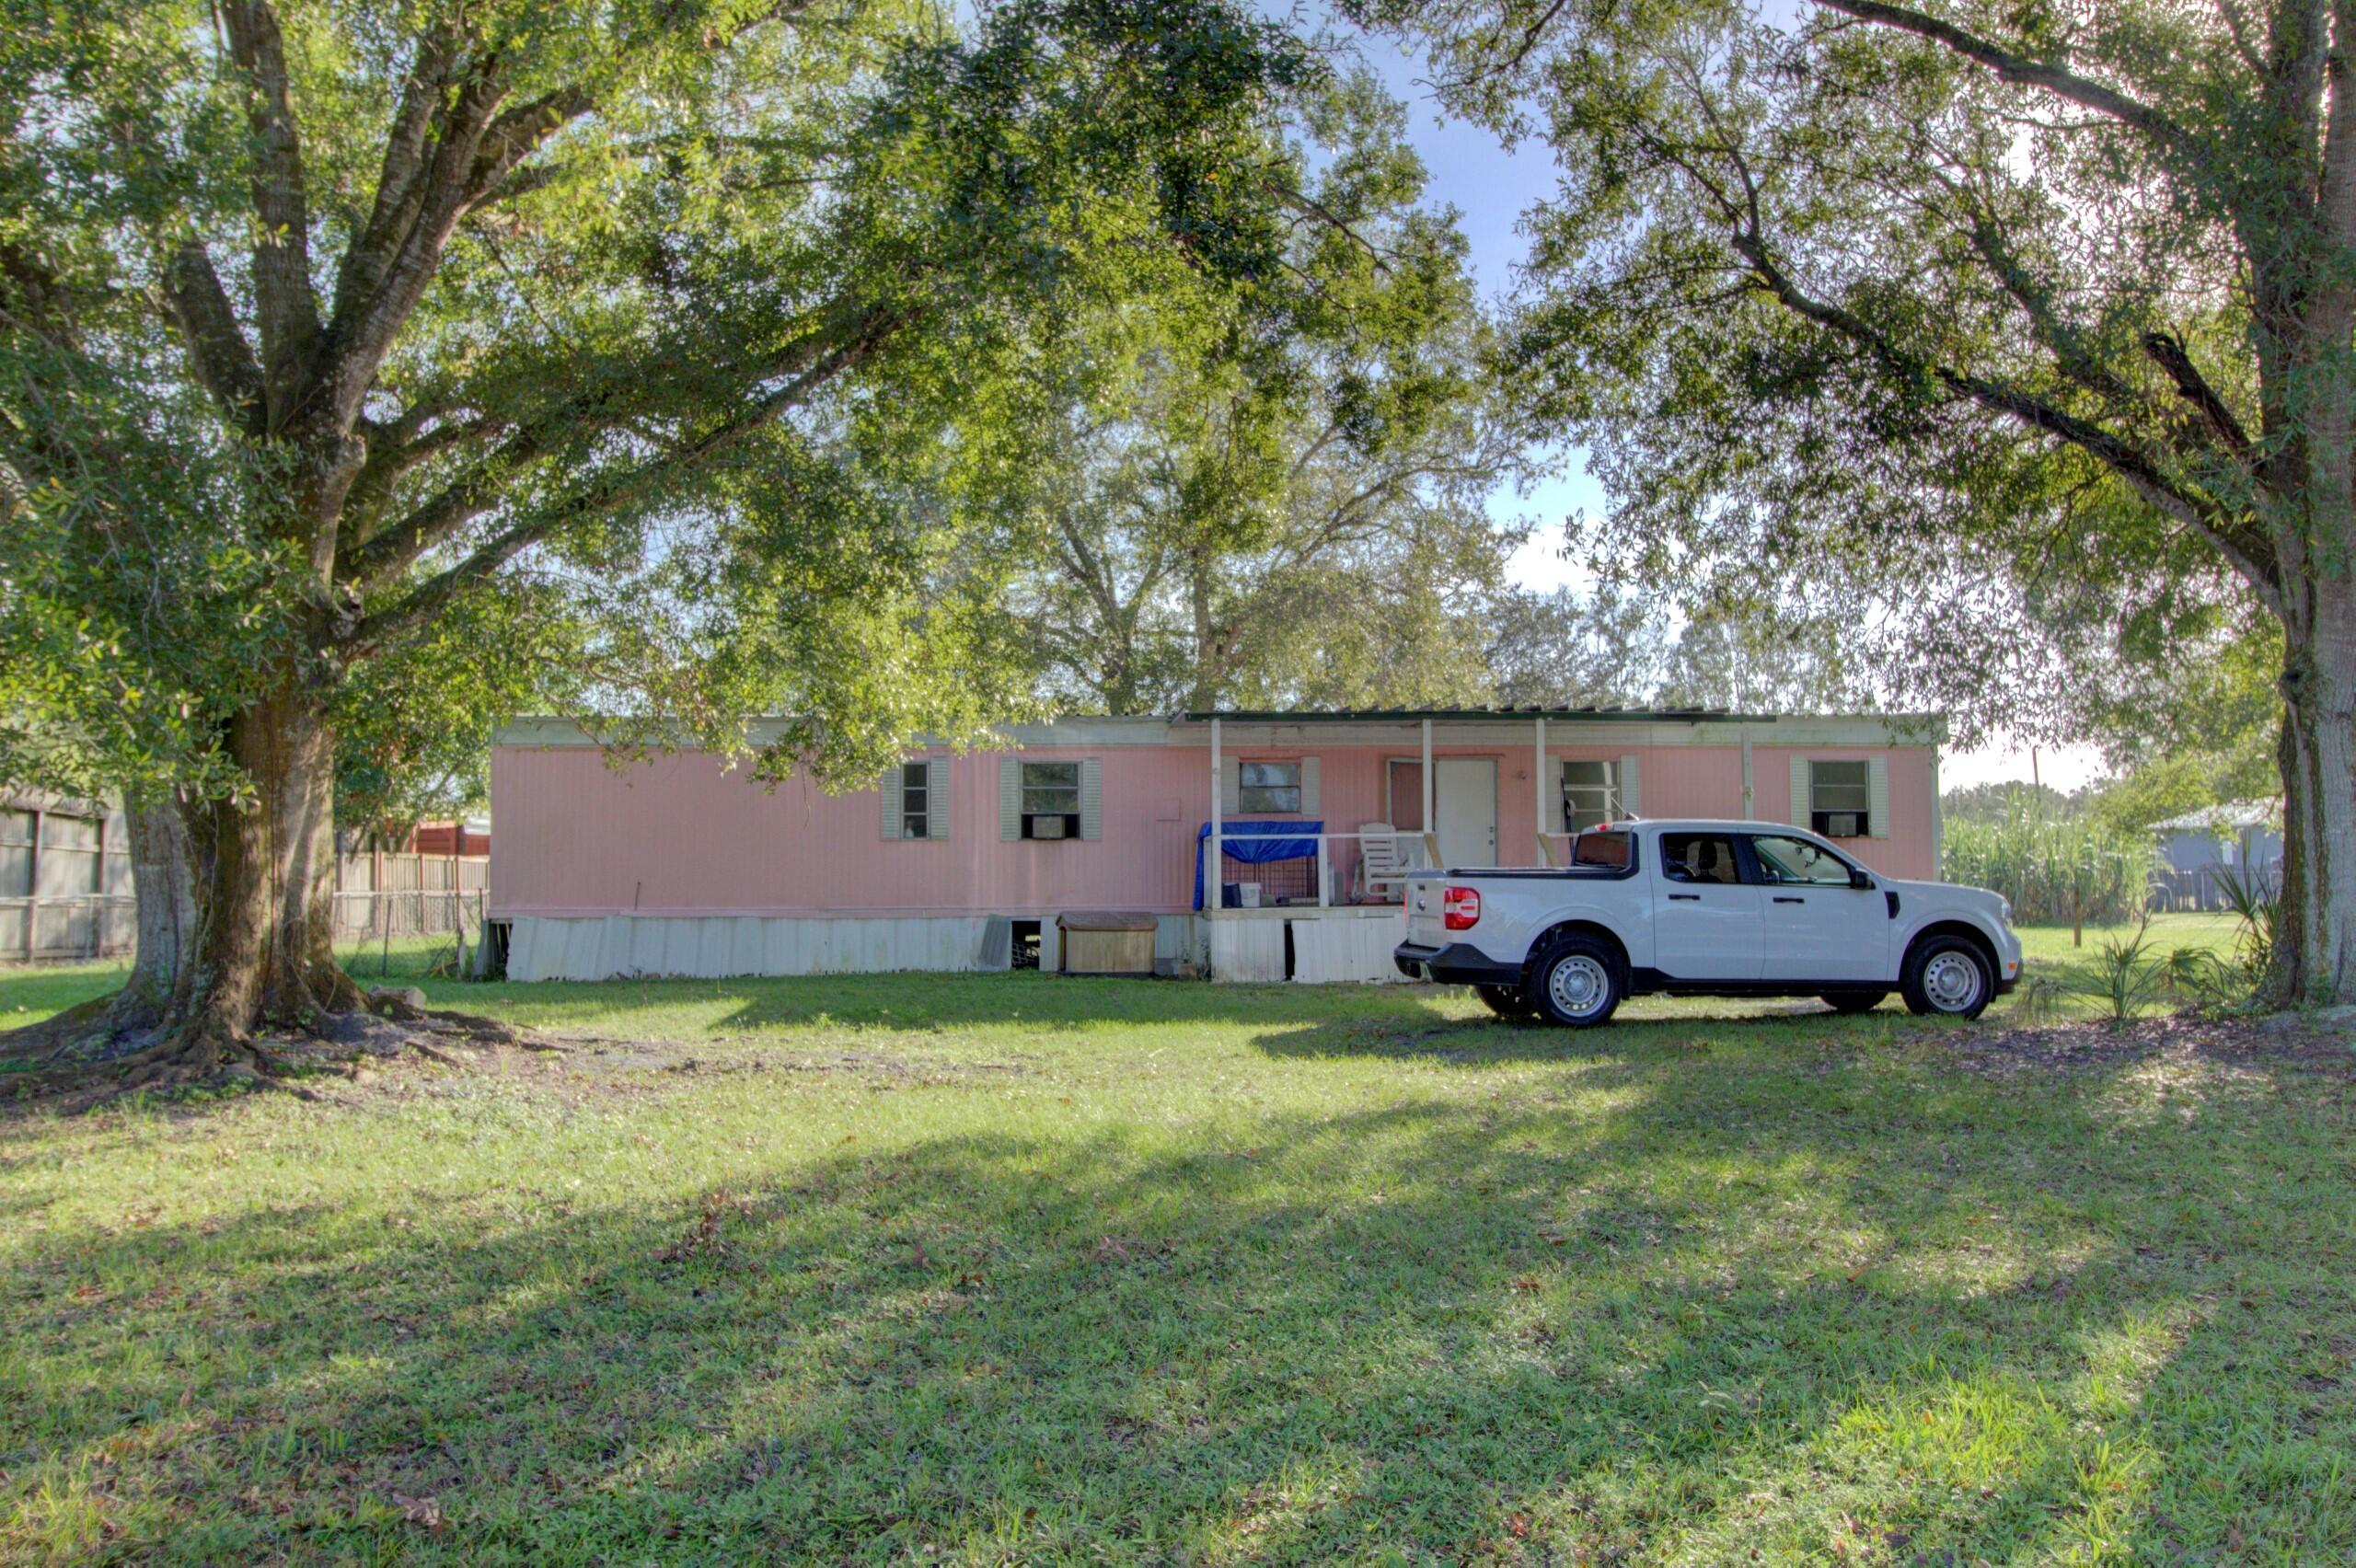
(1248, 950)
(1909, 850)
(1346, 947)
(678, 836)
(718, 946)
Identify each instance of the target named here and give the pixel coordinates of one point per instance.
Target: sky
(1491, 188)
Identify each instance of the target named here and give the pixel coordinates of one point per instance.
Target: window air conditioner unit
(1047, 827)
(1838, 824)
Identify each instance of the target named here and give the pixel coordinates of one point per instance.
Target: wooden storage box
(1106, 941)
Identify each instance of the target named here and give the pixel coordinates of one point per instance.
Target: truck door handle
(1787, 898)
(1685, 898)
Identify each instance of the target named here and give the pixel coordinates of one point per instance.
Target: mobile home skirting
(713, 947)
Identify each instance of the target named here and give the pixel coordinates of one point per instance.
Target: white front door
(1467, 810)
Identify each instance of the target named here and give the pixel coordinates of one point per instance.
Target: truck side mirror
(1861, 879)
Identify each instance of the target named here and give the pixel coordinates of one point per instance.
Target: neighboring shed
(471, 836)
(2243, 838)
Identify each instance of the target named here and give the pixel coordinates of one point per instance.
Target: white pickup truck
(1706, 909)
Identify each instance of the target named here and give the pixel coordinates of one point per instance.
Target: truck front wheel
(1947, 977)
(1576, 981)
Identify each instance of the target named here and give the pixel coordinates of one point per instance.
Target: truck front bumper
(1457, 963)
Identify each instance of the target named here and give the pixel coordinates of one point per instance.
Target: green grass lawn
(1017, 1269)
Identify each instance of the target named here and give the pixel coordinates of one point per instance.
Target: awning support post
(1538, 793)
(1215, 872)
(1431, 825)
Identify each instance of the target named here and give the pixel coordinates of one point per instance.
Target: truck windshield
(1610, 851)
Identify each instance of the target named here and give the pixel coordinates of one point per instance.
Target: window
(916, 800)
(1269, 786)
(1840, 799)
(1051, 800)
(1590, 794)
(1698, 857)
(1787, 861)
(1608, 851)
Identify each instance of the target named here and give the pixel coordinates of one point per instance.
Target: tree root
(66, 1055)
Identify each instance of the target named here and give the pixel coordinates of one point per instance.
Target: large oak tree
(2027, 323)
(320, 318)
(1298, 515)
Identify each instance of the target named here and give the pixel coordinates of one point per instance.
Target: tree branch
(2019, 68)
(399, 192)
(395, 450)
(2168, 352)
(362, 334)
(1310, 206)
(374, 557)
(2058, 337)
(2238, 26)
(514, 136)
(224, 360)
(2247, 551)
(284, 308)
(612, 491)
(477, 149)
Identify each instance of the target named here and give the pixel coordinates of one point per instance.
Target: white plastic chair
(1385, 857)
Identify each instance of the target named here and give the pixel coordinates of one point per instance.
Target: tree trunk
(1208, 677)
(164, 878)
(2315, 934)
(267, 953)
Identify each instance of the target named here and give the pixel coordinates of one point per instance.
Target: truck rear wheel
(1576, 981)
(1506, 1001)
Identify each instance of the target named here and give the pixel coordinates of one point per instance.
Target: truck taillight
(1460, 909)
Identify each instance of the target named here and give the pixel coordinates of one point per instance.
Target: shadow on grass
(1603, 1328)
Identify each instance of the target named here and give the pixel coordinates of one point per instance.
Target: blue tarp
(1256, 852)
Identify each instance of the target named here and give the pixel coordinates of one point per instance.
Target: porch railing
(1554, 846)
(1327, 862)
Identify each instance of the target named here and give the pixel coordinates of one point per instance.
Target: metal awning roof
(1476, 715)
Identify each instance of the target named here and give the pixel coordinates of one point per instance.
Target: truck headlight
(2005, 910)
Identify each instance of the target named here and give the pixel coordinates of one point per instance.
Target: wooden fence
(65, 880)
(385, 894)
(65, 890)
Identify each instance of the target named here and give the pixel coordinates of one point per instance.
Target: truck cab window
(1608, 851)
(1698, 857)
(1789, 861)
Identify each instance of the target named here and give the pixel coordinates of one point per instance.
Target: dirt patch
(720, 1054)
(2082, 1047)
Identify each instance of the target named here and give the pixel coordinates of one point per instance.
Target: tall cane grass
(2072, 869)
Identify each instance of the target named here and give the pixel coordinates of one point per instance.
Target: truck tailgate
(1425, 927)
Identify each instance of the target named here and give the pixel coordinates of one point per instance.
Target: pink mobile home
(679, 865)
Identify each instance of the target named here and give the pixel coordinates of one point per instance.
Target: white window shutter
(936, 796)
(1231, 784)
(1632, 792)
(1091, 798)
(1009, 798)
(1803, 782)
(1877, 796)
(1309, 790)
(891, 803)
